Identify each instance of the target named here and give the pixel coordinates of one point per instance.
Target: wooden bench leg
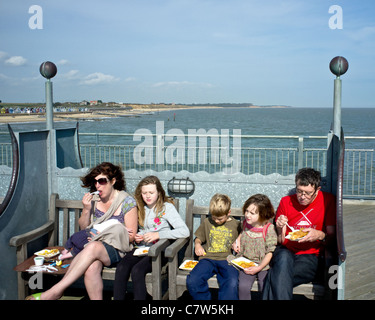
(22, 284)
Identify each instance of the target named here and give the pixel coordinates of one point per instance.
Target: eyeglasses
(101, 181)
(305, 193)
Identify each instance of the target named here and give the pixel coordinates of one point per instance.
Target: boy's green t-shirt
(217, 240)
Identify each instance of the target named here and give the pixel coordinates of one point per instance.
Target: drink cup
(39, 261)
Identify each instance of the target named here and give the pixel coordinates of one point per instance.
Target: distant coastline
(110, 111)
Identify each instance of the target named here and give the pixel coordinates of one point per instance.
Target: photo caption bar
(193, 309)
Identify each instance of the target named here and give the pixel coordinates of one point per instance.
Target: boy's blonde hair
(220, 205)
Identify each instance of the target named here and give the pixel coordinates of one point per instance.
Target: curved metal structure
(78, 150)
(14, 177)
(67, 148)
(339, 202)
(36, 155)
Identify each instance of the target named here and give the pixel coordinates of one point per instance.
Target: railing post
(159, 152)
(300, 152)
(159, 157)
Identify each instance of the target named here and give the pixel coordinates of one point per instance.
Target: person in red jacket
(295, 261)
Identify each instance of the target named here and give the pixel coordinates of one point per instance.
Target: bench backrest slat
(65, 208)
(65, 220)
(77, 214)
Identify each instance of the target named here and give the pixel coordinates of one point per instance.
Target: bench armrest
(31, 235)
(158, 247)
(155, 253)
(172, 254)
(175, 247)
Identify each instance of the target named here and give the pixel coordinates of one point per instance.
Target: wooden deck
(359, 226)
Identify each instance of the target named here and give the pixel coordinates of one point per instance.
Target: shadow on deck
(359, 226)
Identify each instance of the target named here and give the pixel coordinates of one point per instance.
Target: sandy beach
(109, 112)
(95, 113)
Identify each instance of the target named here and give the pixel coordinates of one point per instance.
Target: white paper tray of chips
(141, 251)
(47, 253)
(243, 263)
(296, 235)
(188, 265)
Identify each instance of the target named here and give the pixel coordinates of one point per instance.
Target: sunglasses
(101, 181)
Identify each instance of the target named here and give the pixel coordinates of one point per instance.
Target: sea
(308, 123)
(251, 121)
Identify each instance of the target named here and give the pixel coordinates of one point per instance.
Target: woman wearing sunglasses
(107, 247)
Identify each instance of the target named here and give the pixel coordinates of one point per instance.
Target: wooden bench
(55, 232)
(177, 277)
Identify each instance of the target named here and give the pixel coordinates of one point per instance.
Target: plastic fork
(291, 228)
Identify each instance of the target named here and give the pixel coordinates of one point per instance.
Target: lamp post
(48, 70)
(338, 66)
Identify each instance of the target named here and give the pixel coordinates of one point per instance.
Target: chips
(244, 264)
(142, 251)
(47, 253)
(190, 264)
(297, 234)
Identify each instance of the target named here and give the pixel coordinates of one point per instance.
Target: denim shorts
(113, 254)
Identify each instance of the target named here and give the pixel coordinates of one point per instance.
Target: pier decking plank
(359, 226)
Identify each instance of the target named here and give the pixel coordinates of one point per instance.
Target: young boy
(213, 243)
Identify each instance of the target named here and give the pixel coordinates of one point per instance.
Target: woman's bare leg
(92, 252)
(94, 281)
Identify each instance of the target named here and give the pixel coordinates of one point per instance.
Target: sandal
(35, 296)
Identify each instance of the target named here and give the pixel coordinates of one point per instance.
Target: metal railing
(247, 154)
(233, 153)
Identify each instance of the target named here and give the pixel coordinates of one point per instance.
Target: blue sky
(270, 52)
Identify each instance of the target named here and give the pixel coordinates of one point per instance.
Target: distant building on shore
(95, 102)
(84, 103)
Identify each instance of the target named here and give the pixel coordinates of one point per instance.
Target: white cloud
(16, 61)
(72, 74)
(62, 62)
(31, 79)
(3, 54)
(98, 78)
(362, 34)
(3, 77)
